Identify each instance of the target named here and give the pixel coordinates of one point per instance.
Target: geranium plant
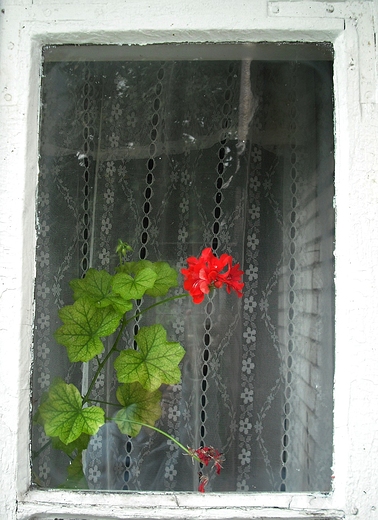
(104, 305)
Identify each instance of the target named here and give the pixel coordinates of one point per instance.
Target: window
(174, 149)
(349, 27)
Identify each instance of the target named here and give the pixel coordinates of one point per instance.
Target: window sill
(49, 504)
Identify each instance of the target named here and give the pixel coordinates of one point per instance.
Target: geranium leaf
(134, 267)
(119, 304)
(97, 286)
(139, 405)
(79, 444)
(155, 362)
(63, 415)
(75, 475)
(83, 326)
(133, 288)
(166, 278)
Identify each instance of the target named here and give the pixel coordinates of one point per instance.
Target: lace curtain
(173, 157)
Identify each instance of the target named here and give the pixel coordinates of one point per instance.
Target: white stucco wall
(25, 25)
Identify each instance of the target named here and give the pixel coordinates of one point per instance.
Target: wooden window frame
(348, 27)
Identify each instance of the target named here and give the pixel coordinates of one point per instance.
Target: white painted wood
(25, 25)
(170, 506)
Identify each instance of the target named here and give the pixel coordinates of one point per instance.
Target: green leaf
(79, 444)
(84, 324)
(97, 286)
(37, 419)
(133, 267)
(139, 405)
(75, 475)
(63, 416)
(155, 362)
(134, 288)
(166, 278)
(118, 303)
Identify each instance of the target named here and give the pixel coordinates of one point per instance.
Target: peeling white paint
(26, 25)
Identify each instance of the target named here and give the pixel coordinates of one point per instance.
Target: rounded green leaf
(78, 445)
(75, 475)
(139, 405)
(155, 362)
(63, 416)
(97, 286)
(166, 278)
(83, 326)
(134, 288)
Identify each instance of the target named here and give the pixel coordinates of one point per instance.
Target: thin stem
(187, 450)
(125, 322)
(173, 439)
(103, 362)
(117, 405)
(171, 298)
(36, 454)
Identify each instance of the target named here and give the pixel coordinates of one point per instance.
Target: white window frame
(25, 27)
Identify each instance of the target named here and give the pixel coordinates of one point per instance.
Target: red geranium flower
(203, 480)
(233, 280)
(207, 454)
(209, 271)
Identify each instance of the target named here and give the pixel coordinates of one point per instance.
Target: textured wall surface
(26, 25)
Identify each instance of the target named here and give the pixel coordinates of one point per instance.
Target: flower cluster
(208, 272)
(206, 455)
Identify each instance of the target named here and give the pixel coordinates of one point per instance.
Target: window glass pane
(234, 152)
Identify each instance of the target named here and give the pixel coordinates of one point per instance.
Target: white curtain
(173, 157)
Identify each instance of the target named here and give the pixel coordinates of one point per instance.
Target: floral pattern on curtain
(173, 157)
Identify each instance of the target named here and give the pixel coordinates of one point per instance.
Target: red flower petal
(203, 480)
(209, 271)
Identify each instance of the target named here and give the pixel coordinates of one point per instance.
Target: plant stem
(36, 454)
(186, 450)
(124, 323)
(171, 298)
(103, 362)
(162, 432)
(117, 405)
